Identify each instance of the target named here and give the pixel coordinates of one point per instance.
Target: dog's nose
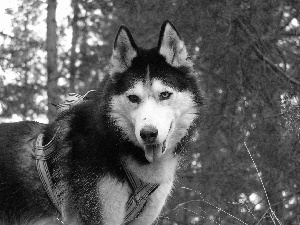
(149, 134)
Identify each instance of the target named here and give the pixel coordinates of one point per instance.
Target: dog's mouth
(154, 152)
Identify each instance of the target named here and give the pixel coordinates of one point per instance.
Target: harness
(46, 155)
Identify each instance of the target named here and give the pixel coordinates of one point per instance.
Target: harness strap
(71, 100)
(140, 193)
(46, 155)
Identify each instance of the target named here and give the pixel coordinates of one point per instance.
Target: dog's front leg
(154, 205)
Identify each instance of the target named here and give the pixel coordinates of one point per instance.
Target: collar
(46, 155)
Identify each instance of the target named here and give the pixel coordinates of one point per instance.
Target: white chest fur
(159, 172)
(114, 195)
(154, 205)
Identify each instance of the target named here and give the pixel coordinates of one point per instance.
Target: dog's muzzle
(153, 149)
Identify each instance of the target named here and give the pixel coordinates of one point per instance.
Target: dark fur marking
(90, 146)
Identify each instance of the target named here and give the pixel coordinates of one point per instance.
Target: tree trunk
(74, 43)
(53, 95)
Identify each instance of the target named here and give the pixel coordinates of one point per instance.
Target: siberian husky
(110, 159)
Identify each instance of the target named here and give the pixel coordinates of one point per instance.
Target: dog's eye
(133, 98)
(165, 95)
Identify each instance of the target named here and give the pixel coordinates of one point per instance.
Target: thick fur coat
(142, 116)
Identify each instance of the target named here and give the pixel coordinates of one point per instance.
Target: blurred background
(245, 163)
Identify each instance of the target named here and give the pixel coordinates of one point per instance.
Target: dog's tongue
(153, 152)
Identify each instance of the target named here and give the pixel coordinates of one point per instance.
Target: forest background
(245, 163)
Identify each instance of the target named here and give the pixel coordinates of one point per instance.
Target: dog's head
(154, 99)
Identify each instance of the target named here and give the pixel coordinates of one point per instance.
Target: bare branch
(263, 57)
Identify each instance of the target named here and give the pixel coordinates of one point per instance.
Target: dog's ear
(124, 51)
(172, 47)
